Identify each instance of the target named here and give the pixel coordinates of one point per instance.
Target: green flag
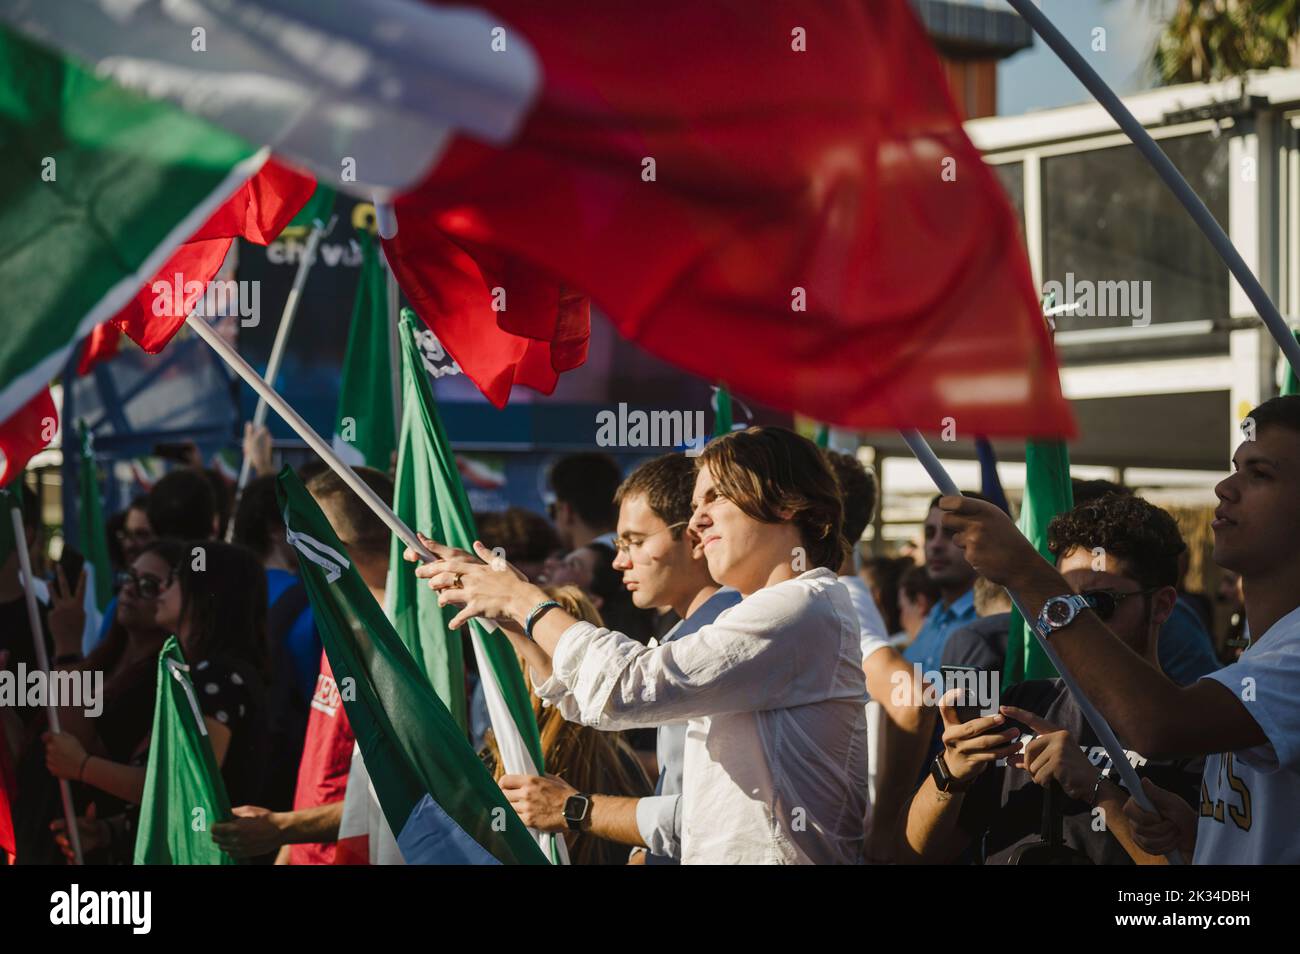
(1047, 493)
(436, 795)
(364, 430)
(452, 524)
(723, 416)
(419, 494)
(94, 544)
(184, 794)
(1290, 384)
(823, 438)
(99, 187)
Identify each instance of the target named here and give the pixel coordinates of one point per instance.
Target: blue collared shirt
(943, 621)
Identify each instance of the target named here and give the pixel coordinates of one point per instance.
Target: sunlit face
(944, 561)
(655, 564)
(1256, 523)
(734, 544)
(133, 610)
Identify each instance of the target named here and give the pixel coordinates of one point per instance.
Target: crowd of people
(718, 674)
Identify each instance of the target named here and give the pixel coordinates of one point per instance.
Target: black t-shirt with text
(1004, 808)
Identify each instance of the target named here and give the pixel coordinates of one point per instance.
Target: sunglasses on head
(146, 585)
(1106, 602)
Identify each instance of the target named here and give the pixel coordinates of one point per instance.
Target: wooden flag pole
(920, 447)
(1183, 192)
(304, 430)
(43, 661)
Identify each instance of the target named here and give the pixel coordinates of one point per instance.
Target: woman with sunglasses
(128, 658)
(215, 602)
(772, 690)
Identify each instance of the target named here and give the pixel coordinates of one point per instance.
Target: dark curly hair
(1141, 535)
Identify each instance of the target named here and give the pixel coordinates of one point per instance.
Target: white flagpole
(1183, 192)
(43, 661)
(277, 351)
(304, 430)
(386, 226)
(925, 455)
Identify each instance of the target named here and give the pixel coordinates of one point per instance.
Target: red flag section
(100, 345)
(775, 194)
(503, 321)
(258, 211)
(26, 434)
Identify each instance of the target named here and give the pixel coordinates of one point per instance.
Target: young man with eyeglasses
(1121, 553)
(661, 567)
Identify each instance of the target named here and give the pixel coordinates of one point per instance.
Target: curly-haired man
(1121, 553)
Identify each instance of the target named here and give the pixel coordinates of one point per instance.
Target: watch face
(575, 808)
(1059, 611)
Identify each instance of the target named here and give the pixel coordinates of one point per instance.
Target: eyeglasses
(146, 585)
(136, 536)
(1106, 602)
(624, 545)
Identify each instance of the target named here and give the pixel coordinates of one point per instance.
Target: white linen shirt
(772, 693)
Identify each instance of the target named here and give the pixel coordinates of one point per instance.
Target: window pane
(1108, 218)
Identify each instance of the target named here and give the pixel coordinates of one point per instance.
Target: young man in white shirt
(1246, 717)
(662, 567)
(772, 691)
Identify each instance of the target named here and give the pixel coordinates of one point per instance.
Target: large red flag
(778, 195)
(26, 434)
(258, 211)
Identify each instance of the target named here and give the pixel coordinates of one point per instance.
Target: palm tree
(1207, 40)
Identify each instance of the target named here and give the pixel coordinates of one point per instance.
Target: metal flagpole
(1135, 131)
(43, 660)
(277, 352)
(304, 430)
(925, 455)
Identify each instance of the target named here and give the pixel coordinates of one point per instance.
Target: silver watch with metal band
(1059, 612)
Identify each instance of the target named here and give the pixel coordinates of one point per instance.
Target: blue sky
(1036, 79)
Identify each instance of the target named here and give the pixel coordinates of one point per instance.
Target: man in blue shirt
(947, 568)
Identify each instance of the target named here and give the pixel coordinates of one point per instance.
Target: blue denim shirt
(943, 621)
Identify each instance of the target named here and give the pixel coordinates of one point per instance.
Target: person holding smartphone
(772, 691)
(1121, 554)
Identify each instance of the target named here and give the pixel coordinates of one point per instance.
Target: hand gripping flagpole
(1183, 192)
(1118, 759)
(304, 430)
(43, 661)
(278, 349)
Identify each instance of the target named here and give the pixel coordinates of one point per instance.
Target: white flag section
(377, 85)
(514, 753)
(364, 819)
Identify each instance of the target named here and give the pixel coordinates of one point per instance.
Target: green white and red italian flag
(429, 494)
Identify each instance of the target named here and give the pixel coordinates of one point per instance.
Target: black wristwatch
(943, 779)
(577, 811)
